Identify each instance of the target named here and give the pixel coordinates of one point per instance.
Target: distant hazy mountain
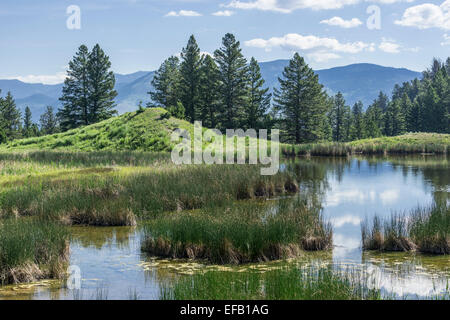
(361, 81)
(357, 82)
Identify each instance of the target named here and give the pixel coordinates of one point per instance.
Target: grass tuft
(239, 234)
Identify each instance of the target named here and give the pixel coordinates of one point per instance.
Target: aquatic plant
(425, 229)
(239, 233)
(106, 197)
(287, 283)
(32, 249)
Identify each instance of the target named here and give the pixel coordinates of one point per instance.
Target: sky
(38, 38)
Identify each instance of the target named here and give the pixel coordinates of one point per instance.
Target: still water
(349, 191)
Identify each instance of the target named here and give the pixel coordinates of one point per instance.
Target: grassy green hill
(150, 130)
(145, 131)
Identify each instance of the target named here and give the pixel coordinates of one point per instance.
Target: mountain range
(361, 81)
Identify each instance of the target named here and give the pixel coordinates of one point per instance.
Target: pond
(348, 189)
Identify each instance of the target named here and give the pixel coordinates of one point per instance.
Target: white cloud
(427, 16)
(183, 13)
(389, 1)
(446, 41)
(224, 13)
(287, 6)
(389, 196)
(56, 78)
(389, 46)
(295, 41)
(339, 22)
(322, 56)
(338, 222)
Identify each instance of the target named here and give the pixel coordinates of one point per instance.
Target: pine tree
(406, 107)
(75, 97)
(233, 82)
(27, 123)
(190, 78)
(48, 121)
(101, 86)
(395, 119)
(88, 91)
(166, 84)
(3, 137)
(208, 92)
(258, 102)
(338, 116)
(357, 128)
(10, 117)
(302, 102)
(372, 121)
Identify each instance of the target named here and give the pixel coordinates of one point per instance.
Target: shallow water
(349, 190)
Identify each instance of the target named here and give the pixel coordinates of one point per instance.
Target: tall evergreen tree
(302, 102)
(88, 91)
(190, 78)
(258, 102)
(166, 84)
(357, 129)
(407, 109)
(208, 92)
(75, 97)
(339, 118)
(3, 137)
(101, 86)
(27, 123)
(394, 119)
(372, 121)
(233, 82)
(48, 121)
(10, 117)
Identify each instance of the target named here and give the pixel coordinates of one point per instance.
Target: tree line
(415, 106)
(226, 91)
(14, 126)
(223, 91)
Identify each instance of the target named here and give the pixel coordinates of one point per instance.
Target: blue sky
(140, 34)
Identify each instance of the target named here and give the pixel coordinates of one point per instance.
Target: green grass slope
(145, 131)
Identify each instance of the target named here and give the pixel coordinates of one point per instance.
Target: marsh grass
(430, 229)
(32, 249)
(426, 230)
(308, 283)
(51, 160)
(115, 197)
(239, 233)
(412, 143)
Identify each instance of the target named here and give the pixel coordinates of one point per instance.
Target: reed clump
(239, 234)
(426, 230)
(32, 249)
(430, 229)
